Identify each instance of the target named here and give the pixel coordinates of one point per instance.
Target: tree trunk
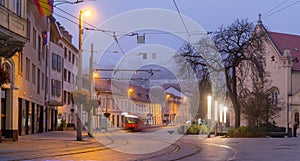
(237, 113)
(231, 86)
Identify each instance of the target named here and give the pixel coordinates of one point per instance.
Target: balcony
(12, 32)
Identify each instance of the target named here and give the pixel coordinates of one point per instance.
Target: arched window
(274, 92)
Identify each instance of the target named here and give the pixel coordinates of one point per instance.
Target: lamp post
(221, 116)
(216, 117)
(90, 113)
(79, 124)
(225, 111)
(209, 113)
(106, 114)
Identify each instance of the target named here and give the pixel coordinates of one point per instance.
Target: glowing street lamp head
(168, 96)
(86, 12)
(95, 75)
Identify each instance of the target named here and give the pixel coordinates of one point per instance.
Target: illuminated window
(144, 55)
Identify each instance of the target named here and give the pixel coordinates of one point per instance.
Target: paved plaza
(62, 145)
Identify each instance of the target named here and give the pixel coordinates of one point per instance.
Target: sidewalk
(44, 144)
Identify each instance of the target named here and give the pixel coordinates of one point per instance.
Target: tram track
(173, 154)
(65, 151)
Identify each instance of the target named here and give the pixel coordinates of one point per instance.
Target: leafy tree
(257, 106)
(83, 97)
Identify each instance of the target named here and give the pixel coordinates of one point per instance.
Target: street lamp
(216, 117)
(130, 92)
(81, 13)
(79, 124)
(225, 110)
(209, 98)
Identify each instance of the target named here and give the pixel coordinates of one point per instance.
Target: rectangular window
(28, 29)
(54, 61)
(43, 81)
(17, 7)
(144, 55)
(65, 74)
(66, 53)
(20, 63)
(59, 63)
(58, 88)
(153, 55)
(65, 96)
(38, 81)
(33, 74)
(2, 2)
(70, 56)
(73, 59)
(34, 38)
(69, 76)
(39, 47)
(53, 87)
(27, 68)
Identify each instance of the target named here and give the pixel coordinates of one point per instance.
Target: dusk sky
(208, 13)
(277, 15)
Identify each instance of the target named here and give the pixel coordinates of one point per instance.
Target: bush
(70, 125)
(63, 123)
(272, 128)
(247, 132)
(193, 129)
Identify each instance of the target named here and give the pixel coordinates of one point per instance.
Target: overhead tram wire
(123, 33)
(97, 29)
(181, 18)
(272, 9)
(281, 9)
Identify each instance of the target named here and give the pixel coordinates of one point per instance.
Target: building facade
(281, 63)
(119, 99)
(41, 61)
(14, 35)
(63, 58)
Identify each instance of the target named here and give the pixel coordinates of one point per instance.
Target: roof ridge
(283, 33)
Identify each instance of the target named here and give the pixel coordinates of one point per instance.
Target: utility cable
(178, 11)
(279, 10)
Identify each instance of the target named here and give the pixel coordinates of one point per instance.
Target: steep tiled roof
(283, 41)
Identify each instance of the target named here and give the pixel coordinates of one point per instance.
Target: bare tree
(237, 43)
(194, 58)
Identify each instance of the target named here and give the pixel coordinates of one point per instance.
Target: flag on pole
(45, 7)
